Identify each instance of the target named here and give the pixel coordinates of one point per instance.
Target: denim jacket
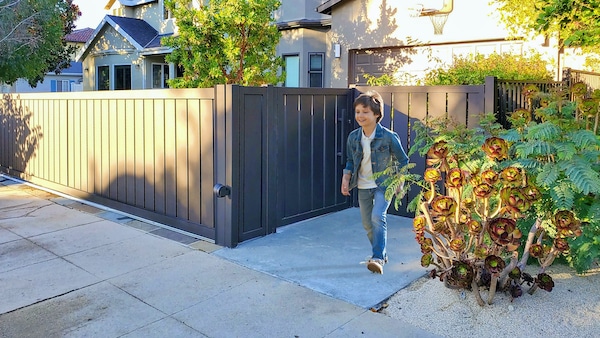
(386, 150)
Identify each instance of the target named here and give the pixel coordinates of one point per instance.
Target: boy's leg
(365, 202)
(379, 224)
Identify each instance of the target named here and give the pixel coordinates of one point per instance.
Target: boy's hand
(345, 185)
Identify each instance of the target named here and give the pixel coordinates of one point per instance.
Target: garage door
(375, 62)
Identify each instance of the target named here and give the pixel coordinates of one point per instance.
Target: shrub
(494, 199)
(472, 69)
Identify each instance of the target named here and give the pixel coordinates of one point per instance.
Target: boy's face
(365, 117)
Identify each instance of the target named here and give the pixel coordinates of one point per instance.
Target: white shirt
(365, 171)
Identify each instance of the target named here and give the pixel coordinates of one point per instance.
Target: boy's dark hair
(373, 100)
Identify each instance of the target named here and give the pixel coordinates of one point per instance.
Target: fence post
(225, 229)
(490, 95)
(567, 77)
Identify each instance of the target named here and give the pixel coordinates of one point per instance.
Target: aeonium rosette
(461, 274)
(455, 178)
(561, 244)
(426, 260)
(427, 245)
(495, 148)
(504, 232)
(419, 223)
(474, 226)
(566, 224)
(490, 177)
(494, 264)
(515, 201)
(544, 281)
(438, 154)
(458, 244)
(483, 190)
(443, 205)
(432, 175)
(511, 176)
(536, 250)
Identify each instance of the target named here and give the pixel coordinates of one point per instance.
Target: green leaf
(562, 196)
(565, 151)
(534, 148)
(548, 176)
(584, 139)
(544, 131)
(579, 171)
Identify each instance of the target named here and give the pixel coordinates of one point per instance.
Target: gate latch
(221, 190)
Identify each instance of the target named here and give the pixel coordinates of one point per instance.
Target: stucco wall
(472, 26)
(302, 42)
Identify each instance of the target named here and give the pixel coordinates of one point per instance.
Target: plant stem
(493, 284)
(504, 275)
(475, 288)
(530, 238)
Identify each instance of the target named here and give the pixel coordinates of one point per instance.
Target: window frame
(98, 77)
(286, 70)
(320, 72)
(116, 84)
(165, 70)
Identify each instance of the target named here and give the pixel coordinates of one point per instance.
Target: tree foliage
(472, 69)
(575, 22)
(225, 42)
(32, 38)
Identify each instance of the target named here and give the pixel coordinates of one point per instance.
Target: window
(122, 77)
(103, 78)
(292, 70)
(315, 69)
(60, 86)
(160, 75)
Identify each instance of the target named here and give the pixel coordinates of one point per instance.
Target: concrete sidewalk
(68, 269)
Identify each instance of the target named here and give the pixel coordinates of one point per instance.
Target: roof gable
(136, 31)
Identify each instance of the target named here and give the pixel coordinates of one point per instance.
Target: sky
(92, 12)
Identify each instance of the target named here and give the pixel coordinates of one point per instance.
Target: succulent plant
(544, 281)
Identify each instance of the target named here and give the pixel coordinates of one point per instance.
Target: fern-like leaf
(511, 135)
(533, 148)
(548, 175)
(584, 139)
(530, 163)
(544, 131)
(565, 150)
(579, 171)
(562, 196)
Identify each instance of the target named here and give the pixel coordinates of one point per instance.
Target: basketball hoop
(438, 20)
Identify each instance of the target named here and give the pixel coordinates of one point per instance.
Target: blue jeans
(373, 212)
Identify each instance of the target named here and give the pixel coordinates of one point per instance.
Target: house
(332, 43)
(125, 51)
(400, 38)
(68, 80)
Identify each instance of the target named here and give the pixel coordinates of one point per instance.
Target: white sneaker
(375, 265)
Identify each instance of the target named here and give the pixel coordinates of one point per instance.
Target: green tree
(472, 69)
(225, 42)
(574, 22)
(32, 38)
